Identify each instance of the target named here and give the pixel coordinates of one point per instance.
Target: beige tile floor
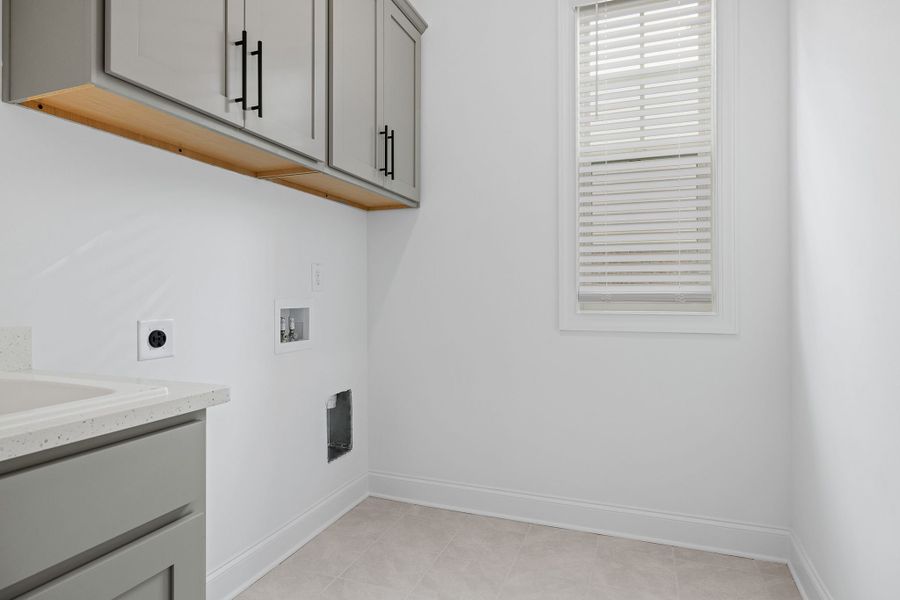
(383, 550)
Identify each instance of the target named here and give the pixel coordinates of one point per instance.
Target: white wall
(470, 379)
(97, 232)
(845, 247)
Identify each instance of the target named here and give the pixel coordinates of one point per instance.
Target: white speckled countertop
(127, 403)
(15, 348)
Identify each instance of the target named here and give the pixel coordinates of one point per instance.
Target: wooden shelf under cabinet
(108, 111)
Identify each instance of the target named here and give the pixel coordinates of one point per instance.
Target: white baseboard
(714, 535)
(239, 573)
(805, 574)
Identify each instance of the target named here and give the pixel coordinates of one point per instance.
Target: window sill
(622, 322)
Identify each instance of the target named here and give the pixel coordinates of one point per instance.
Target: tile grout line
(677, 578)
(431, 566)
(596, 558)
(375, 541)
(762, 577)
(515, 561)
(371, 544)
(594, 555)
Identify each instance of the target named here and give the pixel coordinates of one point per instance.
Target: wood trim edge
(69, 116)
(319, 193)
(285, 173)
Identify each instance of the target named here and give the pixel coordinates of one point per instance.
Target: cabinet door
(166, 565)
(294, 78)
(355, 145)
(182, 50)
(398, 93)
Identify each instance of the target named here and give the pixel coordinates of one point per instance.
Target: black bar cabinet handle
(393, 161)
(386, 140)
(243, 43)
(259, 80)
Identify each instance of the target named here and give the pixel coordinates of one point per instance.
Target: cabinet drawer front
(53, 512)
(165, 565)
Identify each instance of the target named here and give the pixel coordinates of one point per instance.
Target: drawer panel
(166, 565)
(53, 512)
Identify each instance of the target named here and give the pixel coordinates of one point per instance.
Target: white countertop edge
(182, 398)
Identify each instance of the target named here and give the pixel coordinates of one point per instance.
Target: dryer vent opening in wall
(340, 424)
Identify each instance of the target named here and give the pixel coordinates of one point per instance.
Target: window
(647, 232)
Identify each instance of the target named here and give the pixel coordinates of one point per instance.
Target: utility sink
(40, 410)
(18, 395)
(34, 397)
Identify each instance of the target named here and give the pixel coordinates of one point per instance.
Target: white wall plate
(302, 312)
(318, 277)
(156, 339)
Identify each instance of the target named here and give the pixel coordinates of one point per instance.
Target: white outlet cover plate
(148, 352)
(318, 275)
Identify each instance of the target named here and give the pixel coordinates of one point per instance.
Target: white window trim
(724, 317)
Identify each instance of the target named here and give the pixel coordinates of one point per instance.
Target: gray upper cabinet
(179, 50)
(375, 81)
(194, 53)
(293, 109)
(399, 99)
(320, 96)
(354, 133)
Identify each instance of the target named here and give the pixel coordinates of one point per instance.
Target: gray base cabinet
(116, 518)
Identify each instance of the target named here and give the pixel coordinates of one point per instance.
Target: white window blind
(645, 153)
